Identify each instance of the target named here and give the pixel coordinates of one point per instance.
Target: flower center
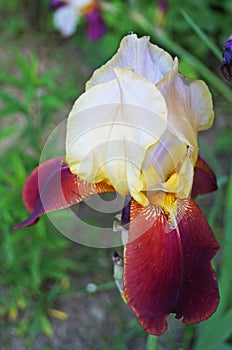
(168, 204)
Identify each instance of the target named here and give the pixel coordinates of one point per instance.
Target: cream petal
(190, 107)
(165, 156)
(185, 178)
(110, 129)
(168, 167)
(181, 120)
(144, 58)
(180, 182)
(201, 104)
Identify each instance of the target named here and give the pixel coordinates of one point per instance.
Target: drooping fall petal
(51, 186)
(204, 180)
(170, 272)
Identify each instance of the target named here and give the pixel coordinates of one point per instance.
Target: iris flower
(134, 131)
(68, 13)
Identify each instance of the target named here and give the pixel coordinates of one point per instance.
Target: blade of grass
(172, 46)
(217, 329)
(209, 43)
(214, 332)
(226, 277)
(223, 346)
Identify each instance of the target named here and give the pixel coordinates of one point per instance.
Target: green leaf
(12, 101)
(171, 45)
(218, 328)
(223, 346)
(214, 332)
(45, 325)
(9, 79)
(28, 68)
(206, 40)
(226, 277)
(223, 144)
(8, 132)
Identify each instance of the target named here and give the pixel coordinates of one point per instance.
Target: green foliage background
(38, 265)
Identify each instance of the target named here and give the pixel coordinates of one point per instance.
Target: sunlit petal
(144, 58)
(109, 133)
(189, 104)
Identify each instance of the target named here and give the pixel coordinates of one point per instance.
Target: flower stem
(152, 343)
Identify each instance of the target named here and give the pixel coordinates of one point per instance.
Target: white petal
(110, 128)
(78, 4)
(65, 20)
(144, 58)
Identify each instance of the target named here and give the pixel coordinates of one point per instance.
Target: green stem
(152, 343)
(226, 279)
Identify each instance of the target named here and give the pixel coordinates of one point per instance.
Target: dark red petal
(37, 179)
(52, 186)
(170, 272)
(204, 180)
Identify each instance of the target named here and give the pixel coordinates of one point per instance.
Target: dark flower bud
(226, 66)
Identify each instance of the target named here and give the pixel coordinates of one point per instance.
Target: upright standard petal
(190, 107)
(169, 272)
(144, 58)
(51, 186)
(110, 129)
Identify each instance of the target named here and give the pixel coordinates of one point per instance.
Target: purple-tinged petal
(96, 27)
(226, 66)
(55, 4)
(51, 186)
(169, 272)
(204, 180)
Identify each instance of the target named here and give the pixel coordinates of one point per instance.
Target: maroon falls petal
(51, 186)
(204, 180)
(199, 296)
(169, 272)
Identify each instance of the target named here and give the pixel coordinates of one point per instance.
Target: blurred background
(56, 294)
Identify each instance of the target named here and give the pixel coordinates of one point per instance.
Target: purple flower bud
(162, 5)
(226, 66)
(96, 27)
